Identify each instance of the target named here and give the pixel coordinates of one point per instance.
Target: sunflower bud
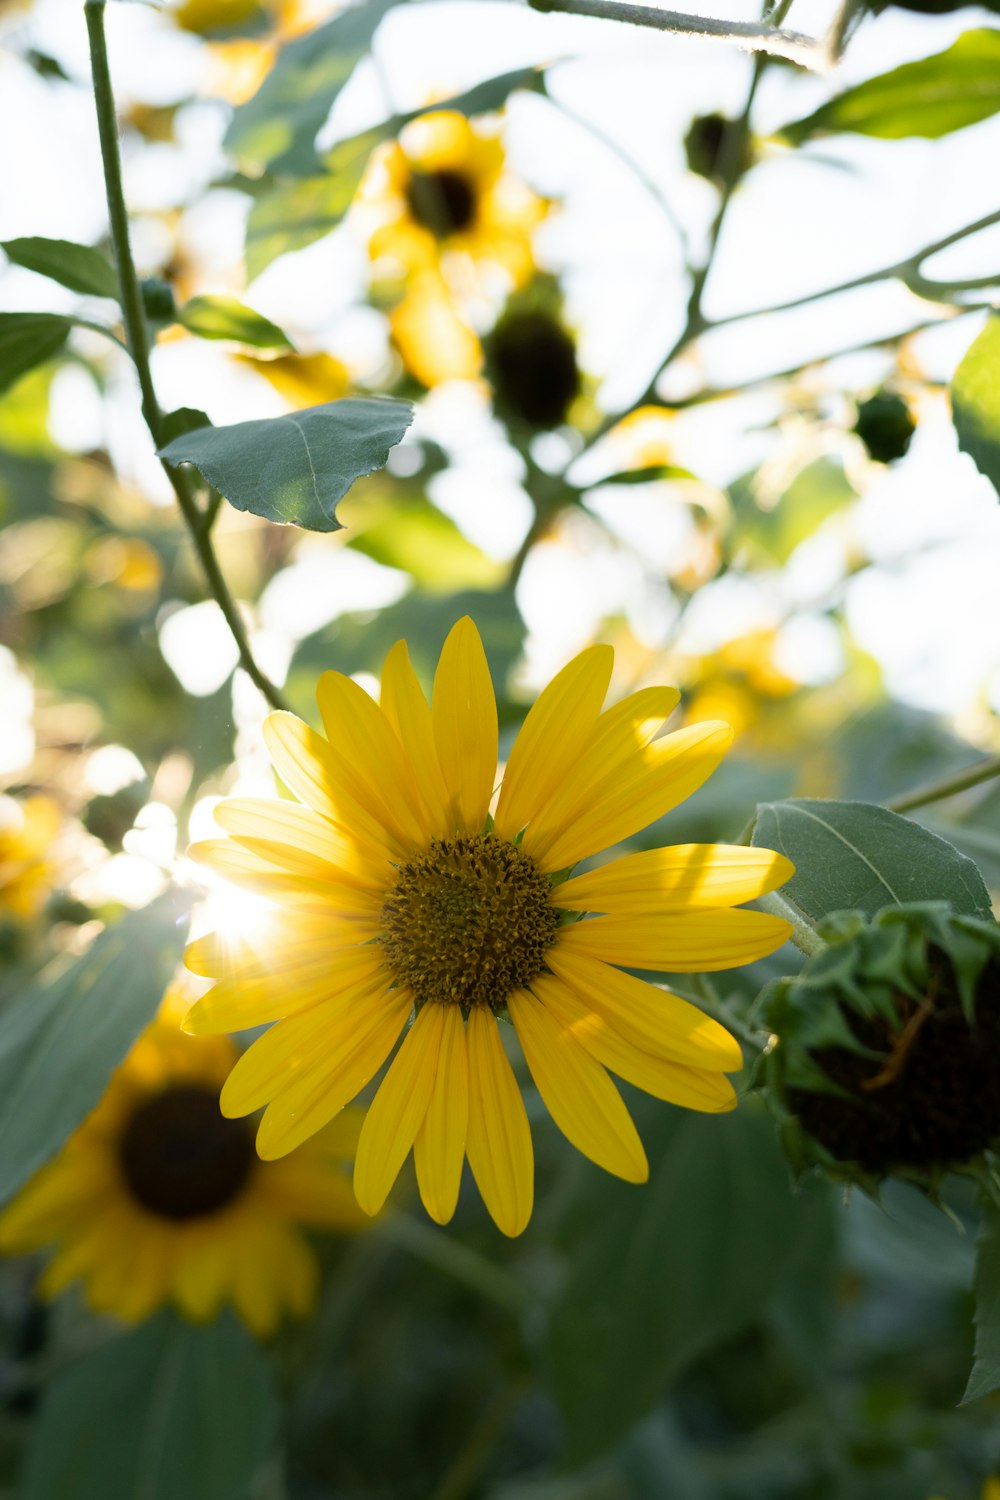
(885, 425)
(532, 366)
(887, 1051)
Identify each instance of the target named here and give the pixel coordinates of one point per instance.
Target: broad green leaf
(773, 531)
(297, 468)
(975, 402)
(406, 531)
(61, 1041)
(226, 318)
(647, 475)
(985, 1375)
(185, 419)
(855, 856)
(79, 267)
(661, 1274)
(169, 1410)
(279, 125)
(296, 214)
(28, 339)
(931, 97)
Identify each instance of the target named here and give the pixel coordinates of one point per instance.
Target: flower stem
(803, 935)
(793, 46)
(137, 334)
(453, 1258)
(949, 786)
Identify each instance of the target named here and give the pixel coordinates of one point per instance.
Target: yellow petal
(464, 714)
(237, 1004)
(308, 767)
(499, 1138)
(577, 1091)
(308, 1104)
(296, 839)
(408, 711)
(552, 738)
(697, 943)
(398, 1109)
(439, 1149)
(302, 1046)
(684, 877)
(279, 941)
(372, 765)
(620, 735)
(246, 867)
(653, 1019)
(647, 786)
(692, 1088)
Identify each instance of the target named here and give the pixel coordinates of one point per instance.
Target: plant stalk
(137, 334)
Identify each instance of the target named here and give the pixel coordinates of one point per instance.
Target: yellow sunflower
(394, 891)
(442, 187)
(27, 831)
(158, 1198)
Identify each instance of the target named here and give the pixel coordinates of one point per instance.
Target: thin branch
(803, 933)
(793, 46)
(137, 333)
(949, 786)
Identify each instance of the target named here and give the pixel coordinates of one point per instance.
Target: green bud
(158, 300)
(886, 1051)
(532, 367)
(885, 426)
(704, 144)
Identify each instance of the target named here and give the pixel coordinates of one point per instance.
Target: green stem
(454, 1259)
(949, 786)
(793, 46)
(465, 1471)
(137, 334)
(804, 935)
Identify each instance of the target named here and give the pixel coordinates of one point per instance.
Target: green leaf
(61, 1041)
(931, 97)
(79, 267)
(985, 1375)
(226, 318)
(185, 419)
(28, 339)
(646, 475)
(408, 532)
(169, 1410)
(279, 125)
(296, 214)
(975, 402)
(855, 856)
(661, 1274)
(296, 469)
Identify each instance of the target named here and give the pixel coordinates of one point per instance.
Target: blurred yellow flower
(302, 379)
(27, 832)
(158, 1198)
(395, 891)
(442, 188)
(435, 343)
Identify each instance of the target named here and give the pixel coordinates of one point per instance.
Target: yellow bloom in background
(158, 1198)
(435, 343)
(27, 831)
(394, 891)
(442, 187)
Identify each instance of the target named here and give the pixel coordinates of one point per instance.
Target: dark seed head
(181, 1158)
(468, 923)
(533, 368)
(443, 202)
(885, 426)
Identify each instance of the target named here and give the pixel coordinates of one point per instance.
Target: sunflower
(395, 892)
(27, 831)
(158, 1198)
(442, 187)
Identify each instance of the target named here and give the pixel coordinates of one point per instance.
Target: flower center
(181, 1158)
(469, 922)
(443, 202)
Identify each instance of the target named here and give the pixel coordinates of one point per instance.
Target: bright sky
(928, 611)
